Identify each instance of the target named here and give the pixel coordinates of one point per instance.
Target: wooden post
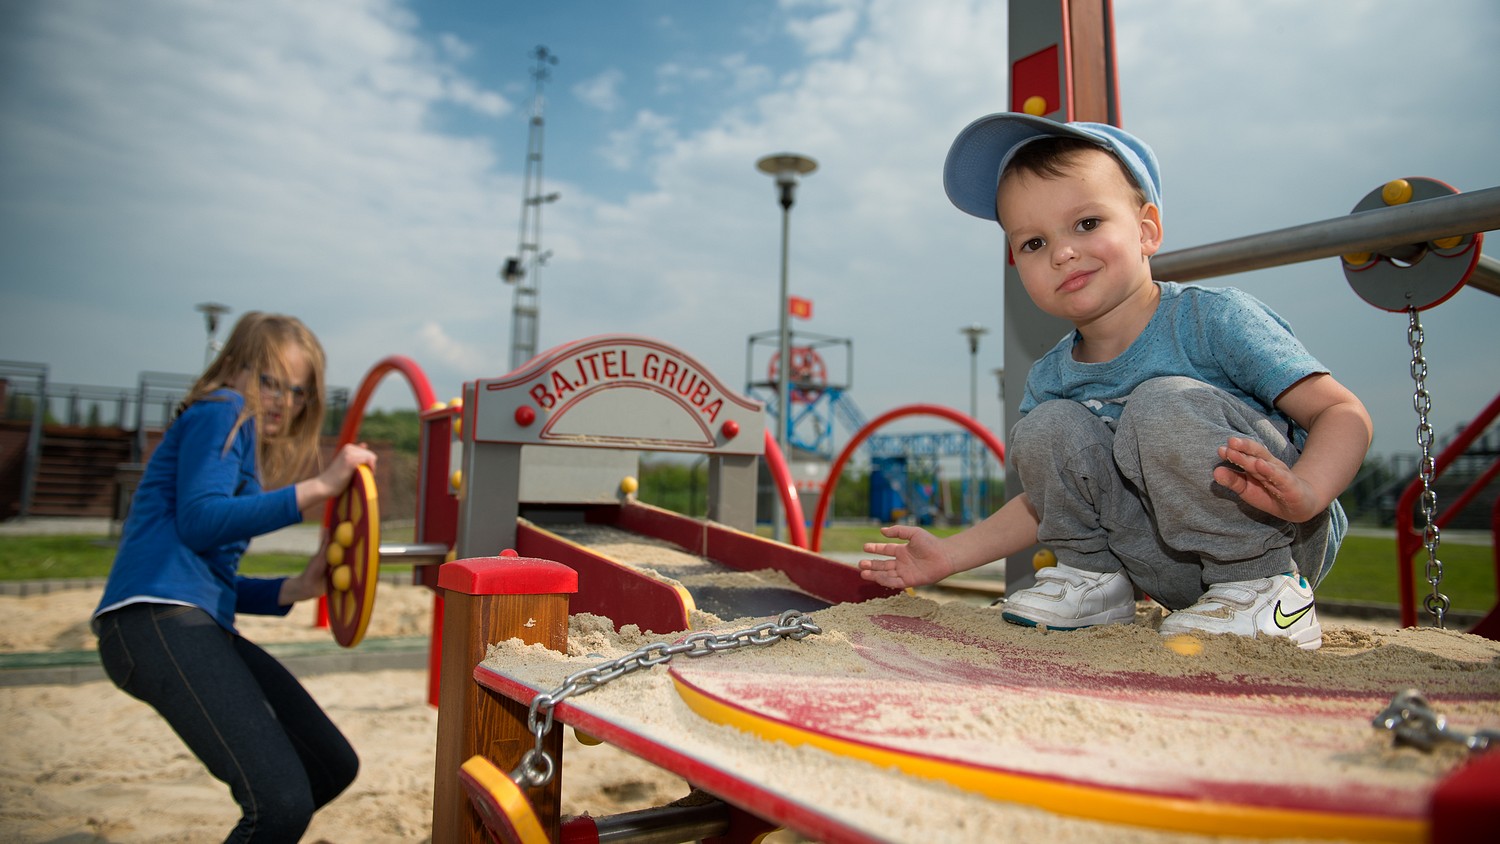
(488, 600)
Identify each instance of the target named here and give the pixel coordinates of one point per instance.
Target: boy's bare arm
(923, 558)
(1338, 436)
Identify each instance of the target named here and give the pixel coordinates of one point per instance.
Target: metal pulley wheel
(1417, 275)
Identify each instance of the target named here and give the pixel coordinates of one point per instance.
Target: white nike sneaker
(1065, 598)
(1281, 605)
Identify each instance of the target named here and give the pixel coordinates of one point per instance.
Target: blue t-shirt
(193, 515)
(1218, 335)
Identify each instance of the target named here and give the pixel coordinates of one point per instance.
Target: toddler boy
(1179, 439)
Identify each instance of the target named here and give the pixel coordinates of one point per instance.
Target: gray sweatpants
(1141, 497)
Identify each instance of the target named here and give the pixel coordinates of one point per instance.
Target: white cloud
(454, 47)
(637, 146)
(602, 91)
(285, 156)
(673, 77)
(830, 26)
(745, 75)
(276, 158)
(437, 344)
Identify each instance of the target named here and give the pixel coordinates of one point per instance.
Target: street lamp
(785, 167)
(971, 499)
(211, 312)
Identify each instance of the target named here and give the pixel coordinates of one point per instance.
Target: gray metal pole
(784, 367)
(1366, 231)
(971, 453)
(1486, 275)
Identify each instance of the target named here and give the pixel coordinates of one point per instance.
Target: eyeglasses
(273, 389)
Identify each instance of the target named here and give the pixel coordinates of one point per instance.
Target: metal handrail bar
(1486, 275)
(1365, 231)
(73, 395)
(417, 553)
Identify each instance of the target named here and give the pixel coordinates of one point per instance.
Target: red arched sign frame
(421, 389)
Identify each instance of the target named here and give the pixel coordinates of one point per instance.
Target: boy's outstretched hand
(1265, 482)
(917, 561)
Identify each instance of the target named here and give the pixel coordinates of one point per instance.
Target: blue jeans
(238, 709)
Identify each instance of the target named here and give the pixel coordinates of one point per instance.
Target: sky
(360, 164)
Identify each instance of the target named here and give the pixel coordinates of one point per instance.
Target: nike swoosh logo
(1283, 620)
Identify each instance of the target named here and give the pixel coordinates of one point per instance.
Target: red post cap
(507, 576)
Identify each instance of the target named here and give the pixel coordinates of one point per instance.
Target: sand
(87, 763)
(1062, 706)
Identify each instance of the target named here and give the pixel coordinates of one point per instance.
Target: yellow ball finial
(456, 479)
(1396, 192)
(629, 485)
(1448, 242)
(1043, 559)
(1357, 259)
(1035, 106)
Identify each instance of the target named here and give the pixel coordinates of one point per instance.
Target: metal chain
(1436, 602)
(537, 767)
(1416, 725)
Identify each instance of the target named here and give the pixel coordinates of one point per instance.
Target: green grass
(1366, 568)
(1365, 571)
(48, 557)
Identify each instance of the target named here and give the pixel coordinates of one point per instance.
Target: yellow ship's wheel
(353, 558)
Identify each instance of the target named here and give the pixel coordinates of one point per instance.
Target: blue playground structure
(906, 477)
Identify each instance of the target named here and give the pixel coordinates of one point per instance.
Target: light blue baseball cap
(979, 154)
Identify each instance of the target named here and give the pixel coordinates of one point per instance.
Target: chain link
(1415, 724)
(1436, 602)
(537, 767)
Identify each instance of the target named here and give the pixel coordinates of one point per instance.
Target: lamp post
(971, 499)
(211, 312)
(785, 167)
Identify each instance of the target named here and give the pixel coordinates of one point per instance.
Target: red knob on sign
(730, 429)
(525, 416)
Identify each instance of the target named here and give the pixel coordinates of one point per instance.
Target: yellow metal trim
(515, 809)
(1077, 799)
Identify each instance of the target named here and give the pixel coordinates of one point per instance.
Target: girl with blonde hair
(223, 474)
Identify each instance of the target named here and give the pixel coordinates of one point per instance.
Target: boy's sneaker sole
(1110, 619)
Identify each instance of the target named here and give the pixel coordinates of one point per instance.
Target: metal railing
(150, 406)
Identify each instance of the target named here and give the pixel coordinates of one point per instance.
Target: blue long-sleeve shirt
(193, 515)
